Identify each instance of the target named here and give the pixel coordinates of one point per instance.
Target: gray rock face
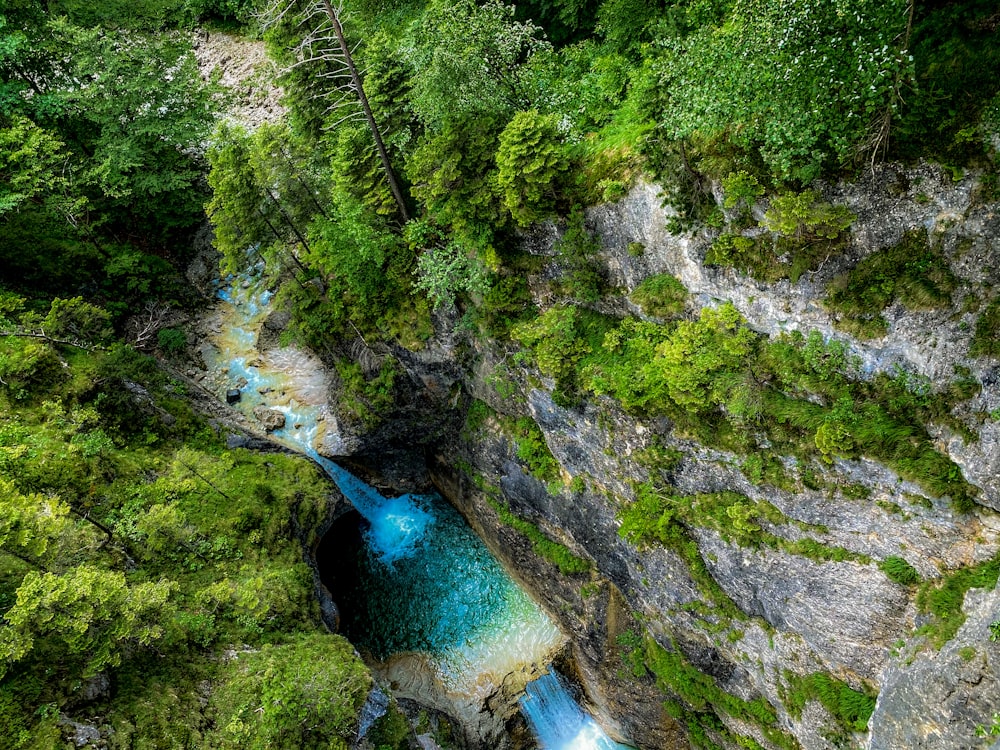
(940, 698)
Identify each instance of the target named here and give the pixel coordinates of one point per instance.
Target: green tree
(302, 694)
(469, 61)
(530, 161)
(30, 161)
(806, 83)
(32, 526)
(452, 171)
(86, 614)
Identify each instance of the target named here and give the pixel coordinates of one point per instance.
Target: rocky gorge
(746, 648)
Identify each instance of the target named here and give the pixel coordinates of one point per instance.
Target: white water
(558, 721)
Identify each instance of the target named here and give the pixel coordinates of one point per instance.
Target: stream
(418, 590)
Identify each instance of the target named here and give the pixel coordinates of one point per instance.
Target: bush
(309, 692)
(171, 340)
(661, 295)
(805, 215)
(531, 160)
(577, 248)
(911, 271)
(556, 341)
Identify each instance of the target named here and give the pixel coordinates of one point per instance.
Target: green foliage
(77, 320)
(366, 399)
(850, 708)
(305, 693)
(27, 365)
(777, 78)
(806, 215)
(741, 189)
(445, 271)
(807, 231)
(87, 613)
(661, 295)
(531, 160)
(367, 265)
(171, 340)
(469, 61)
(577, 247)
(452, 172)
(833, 438)
(943, 599)
(532, 449)
(912, 271)
(556, 340)
(30, 161)
(100, 132)
(702, 695)
(689, 366)
(986, 340)
(899, 570)
(955, 49)
(556, 553)
(506, 303)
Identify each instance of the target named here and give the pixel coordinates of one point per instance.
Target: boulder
(271, 419)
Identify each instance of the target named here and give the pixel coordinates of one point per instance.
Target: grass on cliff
(556, 553)
(943, 599)
(701, 698)
(850, 708)
(912, 271)
(986, 339)
(730, 388)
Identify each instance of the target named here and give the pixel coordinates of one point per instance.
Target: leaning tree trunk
(359, 88)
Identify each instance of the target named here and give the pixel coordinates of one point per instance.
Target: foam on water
(558, 721)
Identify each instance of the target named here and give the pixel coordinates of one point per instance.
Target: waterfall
(558, 721)
(424, 581)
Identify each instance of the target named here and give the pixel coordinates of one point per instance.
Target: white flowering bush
(802, 81)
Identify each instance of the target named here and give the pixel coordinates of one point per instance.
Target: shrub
(530, 159)
(171, 340)
(911, 271)
(577, 248)
(556, 341)
(805, 215)
(534, 451)
(740, 187)
(661, 295)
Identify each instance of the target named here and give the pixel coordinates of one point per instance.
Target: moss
(556, 553)
(702, 700)
(899, 570)
(850, 708)
(661, 295)
(912, 271)
(943, 599)
(986, 340)
(532, 448)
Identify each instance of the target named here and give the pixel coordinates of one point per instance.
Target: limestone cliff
(721, 641)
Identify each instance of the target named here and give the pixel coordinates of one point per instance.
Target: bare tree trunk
(359, 88)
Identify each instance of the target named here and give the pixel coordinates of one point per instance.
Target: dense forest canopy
(130, 537)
